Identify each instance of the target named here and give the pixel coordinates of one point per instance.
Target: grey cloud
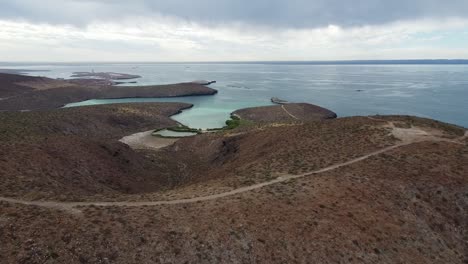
(275, 13)
(75, 12)
(310, 13)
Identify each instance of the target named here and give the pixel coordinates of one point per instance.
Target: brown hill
(9, 86)
(74, 152)
(364, 190)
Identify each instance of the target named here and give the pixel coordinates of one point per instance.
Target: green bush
(235, 122)
(184, 129)
(232, 123)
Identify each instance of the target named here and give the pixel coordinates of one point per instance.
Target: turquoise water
(208, 111)
(434, 91)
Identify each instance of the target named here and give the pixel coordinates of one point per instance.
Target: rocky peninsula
(20, 92)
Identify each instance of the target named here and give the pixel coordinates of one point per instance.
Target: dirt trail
(47, 204)
(287, 112)
(71, 206)
(406, 135)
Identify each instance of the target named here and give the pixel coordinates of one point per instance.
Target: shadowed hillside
(69, 152)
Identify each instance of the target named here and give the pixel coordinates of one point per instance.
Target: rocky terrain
(380, 189)
(38, 93)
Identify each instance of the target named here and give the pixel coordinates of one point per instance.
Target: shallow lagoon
(434, 91)
(208, 111)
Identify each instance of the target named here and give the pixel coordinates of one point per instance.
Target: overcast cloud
(174, 30)
(285, 13)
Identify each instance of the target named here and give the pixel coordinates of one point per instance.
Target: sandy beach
(144, 140)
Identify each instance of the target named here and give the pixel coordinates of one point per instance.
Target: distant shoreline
(318, 62)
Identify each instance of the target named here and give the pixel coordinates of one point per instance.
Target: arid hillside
(387, 189)
(11, 84)
(74, 152)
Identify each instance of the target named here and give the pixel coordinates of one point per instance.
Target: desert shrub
(184, 129)
(232, 123)
(236, 122)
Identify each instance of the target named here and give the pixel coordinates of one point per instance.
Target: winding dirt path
(289, 113)
(71, 206)
(407, 137)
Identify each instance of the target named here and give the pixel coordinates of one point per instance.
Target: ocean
(437, 91)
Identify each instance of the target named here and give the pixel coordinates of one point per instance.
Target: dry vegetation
(263, 154)
(391, 208)
(407, 205)
(71, 153)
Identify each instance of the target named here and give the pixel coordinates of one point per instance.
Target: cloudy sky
(232, 30)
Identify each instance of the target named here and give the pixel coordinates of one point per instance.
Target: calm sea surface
(434, 91)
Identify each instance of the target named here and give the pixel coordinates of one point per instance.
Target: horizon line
(369, 61)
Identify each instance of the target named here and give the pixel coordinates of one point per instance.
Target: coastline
(384, 97)
(59, 95)
(85, 167)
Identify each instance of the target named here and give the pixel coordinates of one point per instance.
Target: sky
(232, 30)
